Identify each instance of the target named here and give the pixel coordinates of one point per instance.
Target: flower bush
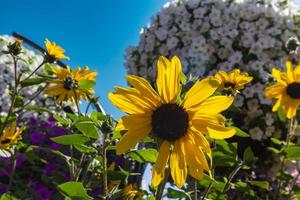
(191, 122)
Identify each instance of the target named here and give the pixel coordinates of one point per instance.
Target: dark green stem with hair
(14, 164)
(161, 187)
(232, 175)
(35, 70)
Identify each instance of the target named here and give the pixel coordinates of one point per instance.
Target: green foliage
(88, 129)
(74, 190)
(177, 194)
(143, 155)
(248, 155)
(225, 154)
(74, 139)
(293, 153)
(239, 132)
(32, 81)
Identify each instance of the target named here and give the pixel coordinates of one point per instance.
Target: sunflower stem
(161, 188)
(291, 130)
(36, 69)
(14, 95)
(232, 175)
(207, 190)
(14, 164)
(105, 188)
(195, 189)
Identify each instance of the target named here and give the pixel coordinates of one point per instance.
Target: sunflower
(131, 193)
(233, 81)
(286, 90)
(54, 52)
(181, 126)
(65, 85)
(10, 136)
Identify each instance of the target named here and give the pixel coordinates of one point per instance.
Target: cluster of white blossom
(29, 61)
(212, 35)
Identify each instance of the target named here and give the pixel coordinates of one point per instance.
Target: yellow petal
(200, 92)
(178, 164)
(158, 172)
(145, 89)
(173, 78)
(161, 81)
(220, 132)
(214, 105)
(289, 71)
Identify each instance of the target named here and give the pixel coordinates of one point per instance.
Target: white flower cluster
(28, 62)
(212, 35)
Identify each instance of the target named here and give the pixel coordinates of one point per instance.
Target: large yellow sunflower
(234, 80)
(286, 90)
(181, 126)
(65, 84)
(54, 52)
(10, 136)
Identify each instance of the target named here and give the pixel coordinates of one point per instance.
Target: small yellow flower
(131, 193)
(10, 136)
(233, 81)
(286, 90)
(54, 52)
(180, 126)
(65, 85)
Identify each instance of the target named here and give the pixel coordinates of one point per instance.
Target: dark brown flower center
(229, 85)
(70, 83)
(170, 122)
(293, 90)
(5, 141)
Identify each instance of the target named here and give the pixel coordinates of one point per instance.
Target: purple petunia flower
(37, 138)
(43, 192)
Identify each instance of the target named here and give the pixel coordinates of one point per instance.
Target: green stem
(231, 176)
(105, 188)
(35, 70)
(14, 164)
(13, 98)
(161, 188)
(207, 190)
(76, 102)
(195, 189)
(291, 131)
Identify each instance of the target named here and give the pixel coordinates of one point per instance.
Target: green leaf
(261, 184)
(19, 101)
(144, 155)
(177, 194)
(239, 132)
(225, 154)
(293, 153)
(116, 135)
(32, 81)
(98, 116)
(273, 150)
(61, 120)
(75, 190)
(85, 149)
(86, 84)
(70, 139)
(48, 69)
(281, 115)
(276, 141)
(248, 155)
(38, 109)
(183, 78)
(88, 129)
(8, 196)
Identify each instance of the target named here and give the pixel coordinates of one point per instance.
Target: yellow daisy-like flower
(234, 80)
(65, 85)
(131, 193)
(54, 52)
(180, 126)
(10, 136)
(286, 90)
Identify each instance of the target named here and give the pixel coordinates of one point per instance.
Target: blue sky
(93, 32)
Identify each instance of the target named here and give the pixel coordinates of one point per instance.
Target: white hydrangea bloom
(212, 35)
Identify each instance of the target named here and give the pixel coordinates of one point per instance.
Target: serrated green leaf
(276, 141)
(85, 149)
(98, 116)
(144, 155)
(70, 139)
(239, 132)
(32, 81)
(293, 153)
(38, 109)
(248, 155)
(86, 84)
(8, 196)
(74, 190)
(177, 194)
(88, 129)
(261, 184)
(61, 120)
